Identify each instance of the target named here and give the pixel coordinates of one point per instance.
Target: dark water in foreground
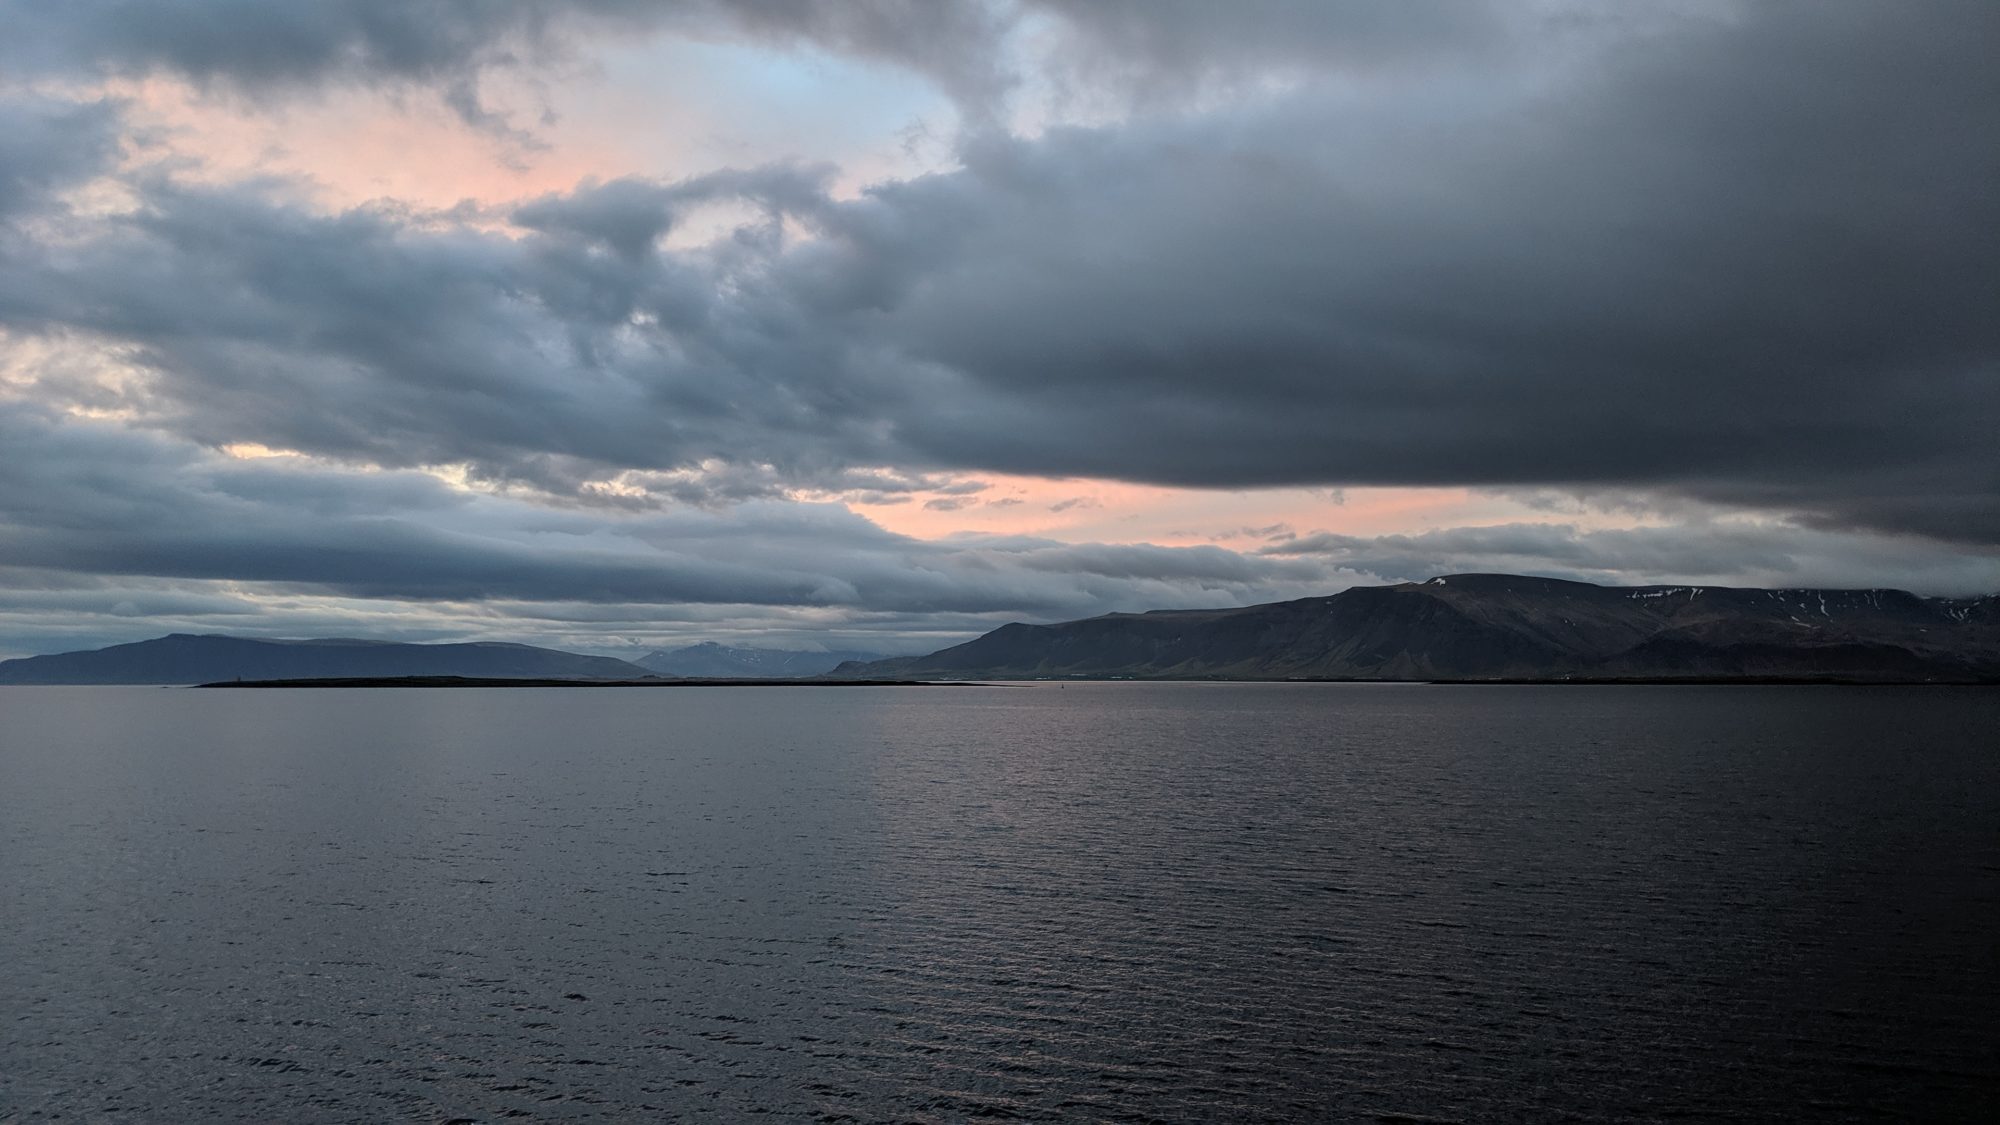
(1116, 901)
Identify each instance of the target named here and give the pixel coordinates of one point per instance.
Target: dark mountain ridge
(185, 658)
(1499, 626)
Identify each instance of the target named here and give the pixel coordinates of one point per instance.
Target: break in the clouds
(1737, 262)
(100, 500)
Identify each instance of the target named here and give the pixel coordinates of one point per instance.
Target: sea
(1136, 902)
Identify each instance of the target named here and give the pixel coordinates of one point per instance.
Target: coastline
(510, 682)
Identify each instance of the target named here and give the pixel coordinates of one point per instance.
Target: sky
(615, 324)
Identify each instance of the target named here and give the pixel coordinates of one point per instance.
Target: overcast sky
(612, 324)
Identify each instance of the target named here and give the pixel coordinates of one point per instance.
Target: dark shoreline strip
(499, 682)
(1578, 681)
(1726, 681)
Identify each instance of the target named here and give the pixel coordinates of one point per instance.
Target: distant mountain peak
(1506, 626)
(184, 658)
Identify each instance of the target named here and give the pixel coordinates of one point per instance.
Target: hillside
(1497, 626)
(183, 658)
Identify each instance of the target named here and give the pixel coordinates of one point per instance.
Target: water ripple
(1117, 902)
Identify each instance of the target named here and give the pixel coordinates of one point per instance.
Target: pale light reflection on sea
(1126, 902)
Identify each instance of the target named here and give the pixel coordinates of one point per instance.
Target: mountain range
(183, 658)
(1459, 627)
(1500, 627)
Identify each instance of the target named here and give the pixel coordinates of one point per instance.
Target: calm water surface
(1126, 902)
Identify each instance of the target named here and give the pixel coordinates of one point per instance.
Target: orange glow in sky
(346, 148)
(355, 147)
(1115, 512)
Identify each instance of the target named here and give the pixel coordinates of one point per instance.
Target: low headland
(517, 682)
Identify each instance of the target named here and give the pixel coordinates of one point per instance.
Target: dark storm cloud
(1741, 254)
(260, 45)
(362, 336)
(1756, 254)
(110, 534)
(1155, 49)
(373, 336)
(1754, 257)
(263, 49)
(47, 144)
(102, 499)
(629, 215)
(964, 46)
(1718, 552)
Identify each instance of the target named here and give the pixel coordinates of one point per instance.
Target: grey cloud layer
(1704, 551)
(48, 144)
(97, 498)
(262, 49)
(109, 533)
(1752, 260)
(1748, 255)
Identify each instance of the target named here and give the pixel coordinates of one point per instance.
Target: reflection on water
(1116, 901)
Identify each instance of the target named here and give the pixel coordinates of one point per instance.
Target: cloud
(265, 51)
(1752, 261)
(978, 52)
(47, 144)
(103, 500)
(1712, 551)
(109, 533)
(1715, 256)
(970, 49)
(264, 46)
(1175, 50)
(1748, 261)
